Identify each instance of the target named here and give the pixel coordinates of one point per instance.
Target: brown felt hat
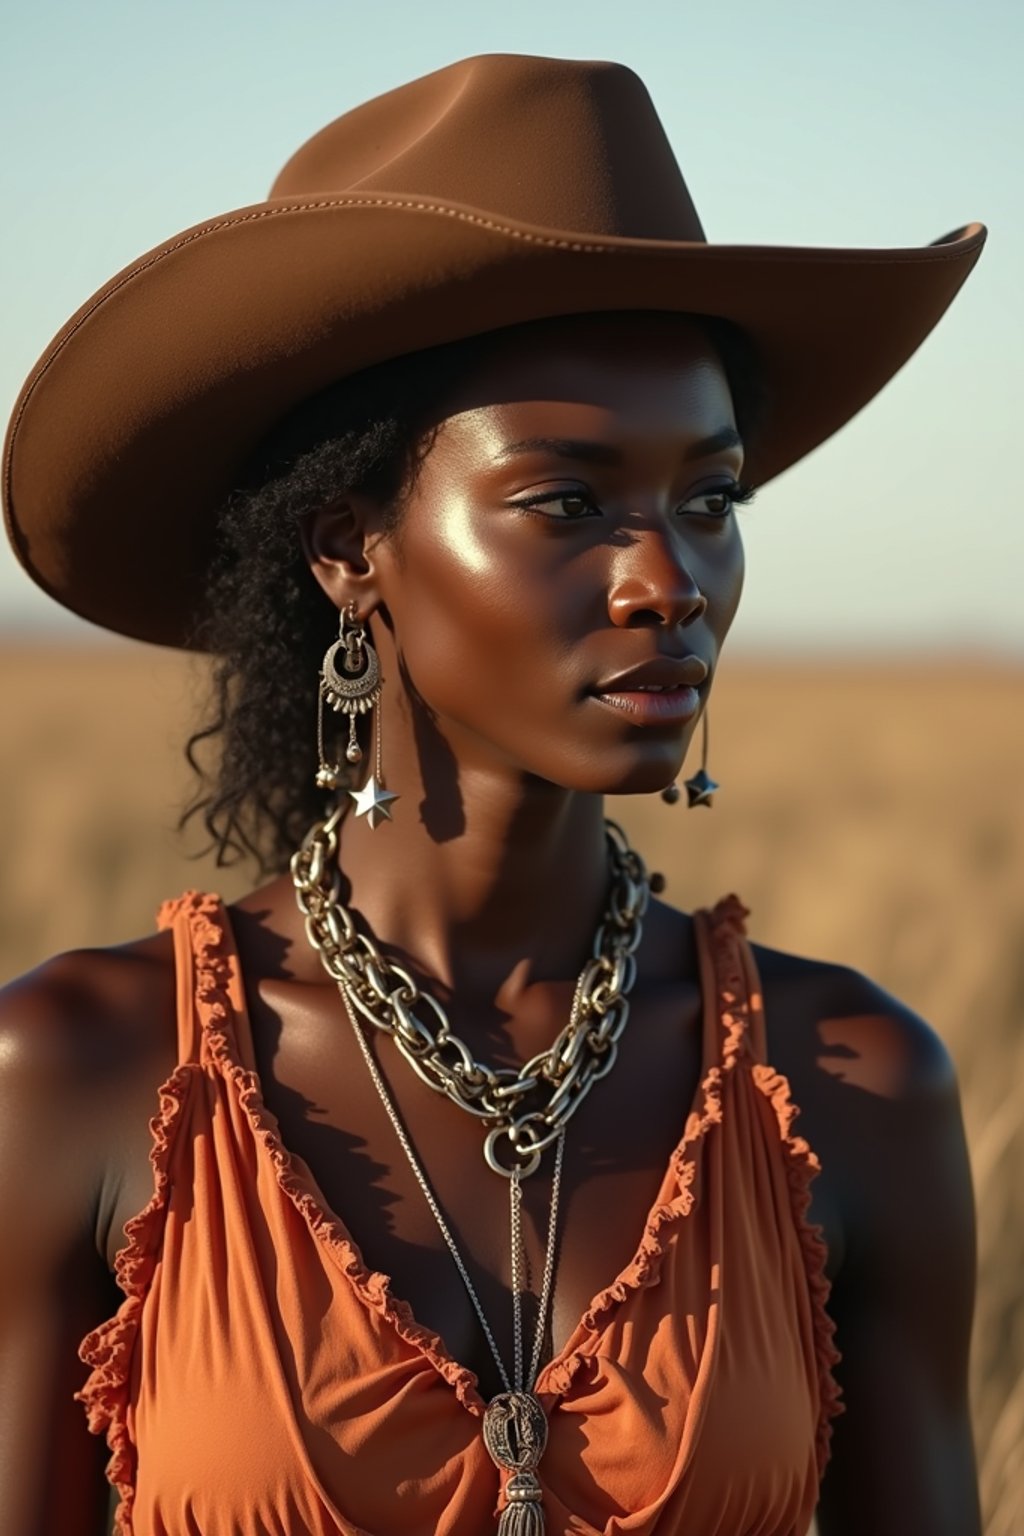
(499, 190)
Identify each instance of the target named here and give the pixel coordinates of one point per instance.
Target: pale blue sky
(815, 122)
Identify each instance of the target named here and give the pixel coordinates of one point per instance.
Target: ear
(339, 543)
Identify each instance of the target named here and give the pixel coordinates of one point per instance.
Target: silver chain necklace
(515, 1425)
(525, 1109)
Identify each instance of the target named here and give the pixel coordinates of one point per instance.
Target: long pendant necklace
(523, 1112)
(515, 1427)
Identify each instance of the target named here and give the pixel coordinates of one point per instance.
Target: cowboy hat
(500, 190)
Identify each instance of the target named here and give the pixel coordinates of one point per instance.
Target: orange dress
(259, 1380)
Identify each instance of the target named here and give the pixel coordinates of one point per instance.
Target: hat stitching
(759, 254)
(262, 213)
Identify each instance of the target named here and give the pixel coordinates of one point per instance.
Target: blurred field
(872, 814)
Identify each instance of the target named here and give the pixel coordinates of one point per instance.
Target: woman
(477, 405)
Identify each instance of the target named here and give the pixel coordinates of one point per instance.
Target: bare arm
(54, 1286)
(903, 1455)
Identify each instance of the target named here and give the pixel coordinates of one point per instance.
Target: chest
(618, 1146)
(726, 1282)
(316, 1083)
(618, 1149)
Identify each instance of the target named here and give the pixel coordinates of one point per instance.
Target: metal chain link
(528, 1107)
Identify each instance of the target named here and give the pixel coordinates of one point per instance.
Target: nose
(654, 585)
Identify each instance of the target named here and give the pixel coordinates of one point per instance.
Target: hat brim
(133, 426)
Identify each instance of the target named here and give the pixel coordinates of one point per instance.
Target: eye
(719, 500)
(563, 506)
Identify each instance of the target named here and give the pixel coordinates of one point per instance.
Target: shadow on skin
(323, 1146)
(865, 1051)
(441, 810)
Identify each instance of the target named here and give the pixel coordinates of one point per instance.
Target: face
(571, 524)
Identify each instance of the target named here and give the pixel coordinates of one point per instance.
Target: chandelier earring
(350, 684)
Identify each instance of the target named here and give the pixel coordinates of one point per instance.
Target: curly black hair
(267, 622)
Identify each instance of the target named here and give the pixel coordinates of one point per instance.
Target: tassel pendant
(516, 1434)
(522, 1515)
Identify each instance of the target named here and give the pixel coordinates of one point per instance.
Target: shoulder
(855, 1031)
(880, 1104)
(74, 1017)
(828, 1022)
(75, 1032)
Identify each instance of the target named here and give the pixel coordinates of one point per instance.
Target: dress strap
(734, 1013)
(212, 1014)
(730, 984)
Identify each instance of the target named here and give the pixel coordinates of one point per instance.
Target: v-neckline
(720, 1039)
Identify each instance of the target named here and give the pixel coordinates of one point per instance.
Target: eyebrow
(587, 452)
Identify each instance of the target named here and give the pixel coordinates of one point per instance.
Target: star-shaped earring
(700, 788)
(373, 801)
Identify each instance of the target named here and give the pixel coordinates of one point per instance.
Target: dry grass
(869, 815)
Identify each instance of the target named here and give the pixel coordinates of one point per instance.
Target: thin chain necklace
(515, 1425)
(517, 1383)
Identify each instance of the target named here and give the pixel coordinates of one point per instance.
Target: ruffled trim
(373, 1287)
(802, 1168)
(725, 921)
(213, 950)
(802, 1164)
(728, 926)
(108, 1348)
(729, 916)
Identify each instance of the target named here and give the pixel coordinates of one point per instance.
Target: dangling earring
(701, 788)
(353, 689)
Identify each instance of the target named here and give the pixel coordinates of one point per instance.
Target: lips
(662, 673)
(662, 691)
(671, 706)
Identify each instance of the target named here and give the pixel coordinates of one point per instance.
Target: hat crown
(560, 143)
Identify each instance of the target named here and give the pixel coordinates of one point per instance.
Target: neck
(487, 891)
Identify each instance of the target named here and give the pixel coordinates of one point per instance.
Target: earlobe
(337, 543)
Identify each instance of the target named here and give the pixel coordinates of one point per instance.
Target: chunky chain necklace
(526, 1108)
(529, 1108)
